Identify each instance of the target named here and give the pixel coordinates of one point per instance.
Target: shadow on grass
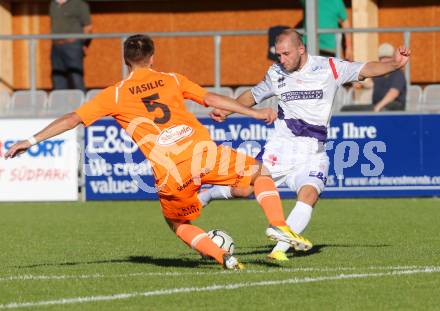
(192, 263)
(315, 249)
(157, 261)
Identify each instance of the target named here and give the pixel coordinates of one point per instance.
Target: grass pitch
(368, 255)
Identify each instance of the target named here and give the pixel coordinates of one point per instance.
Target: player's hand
(401, 56)
(17, 149)
(218, 115)
(266, 114)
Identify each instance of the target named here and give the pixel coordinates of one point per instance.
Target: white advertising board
(46, 172)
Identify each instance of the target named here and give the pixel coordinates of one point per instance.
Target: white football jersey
(306, 96)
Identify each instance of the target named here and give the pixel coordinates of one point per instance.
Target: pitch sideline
(30, 277)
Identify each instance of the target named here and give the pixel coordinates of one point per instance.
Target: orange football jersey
(149, 105)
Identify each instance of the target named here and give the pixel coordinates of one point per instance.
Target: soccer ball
(223, 240)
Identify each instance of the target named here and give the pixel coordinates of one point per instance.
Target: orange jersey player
(149, 105)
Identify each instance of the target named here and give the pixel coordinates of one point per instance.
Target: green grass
(71, 250)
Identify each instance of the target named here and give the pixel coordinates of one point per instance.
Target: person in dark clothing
(67, 55)
(389, 91)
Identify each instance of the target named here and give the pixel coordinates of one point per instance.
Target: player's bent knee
(242, 192)
(262, 171)
(175, 223)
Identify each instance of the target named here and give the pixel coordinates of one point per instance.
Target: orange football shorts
(217, 165)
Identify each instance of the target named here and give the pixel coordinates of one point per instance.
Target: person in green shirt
(331, 14)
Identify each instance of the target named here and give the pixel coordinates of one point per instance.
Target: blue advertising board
(384, 156)
(370, 156)
(114, 167)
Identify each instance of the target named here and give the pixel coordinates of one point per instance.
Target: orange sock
(198, 239)
(269, 199)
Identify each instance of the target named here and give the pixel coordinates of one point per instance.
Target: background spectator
(389, 91)
(331, 14)
(69, 16)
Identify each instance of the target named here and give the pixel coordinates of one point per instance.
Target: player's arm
(193, 91)
(245, 99)
(375, 69)
(257, 94)
(100, 106)
(59, 126)
(228, 104)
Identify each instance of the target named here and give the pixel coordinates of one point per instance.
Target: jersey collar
(306, 65)
(142, 71)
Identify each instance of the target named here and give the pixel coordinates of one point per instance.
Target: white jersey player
(295, 154)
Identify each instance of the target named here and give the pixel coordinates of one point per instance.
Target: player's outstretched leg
(269, 199)
(198, 239)
(298, 219)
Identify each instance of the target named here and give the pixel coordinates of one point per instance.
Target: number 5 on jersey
(151, 104)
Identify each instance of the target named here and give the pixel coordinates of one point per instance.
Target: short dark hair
(138, 48)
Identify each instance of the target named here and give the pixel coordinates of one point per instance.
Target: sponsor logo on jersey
(281, 82)
(188, 210)
(319, 175)
(174, 134)
(272, 159)
(301, 95)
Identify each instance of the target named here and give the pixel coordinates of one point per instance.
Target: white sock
(216, 192)
(298, 220)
